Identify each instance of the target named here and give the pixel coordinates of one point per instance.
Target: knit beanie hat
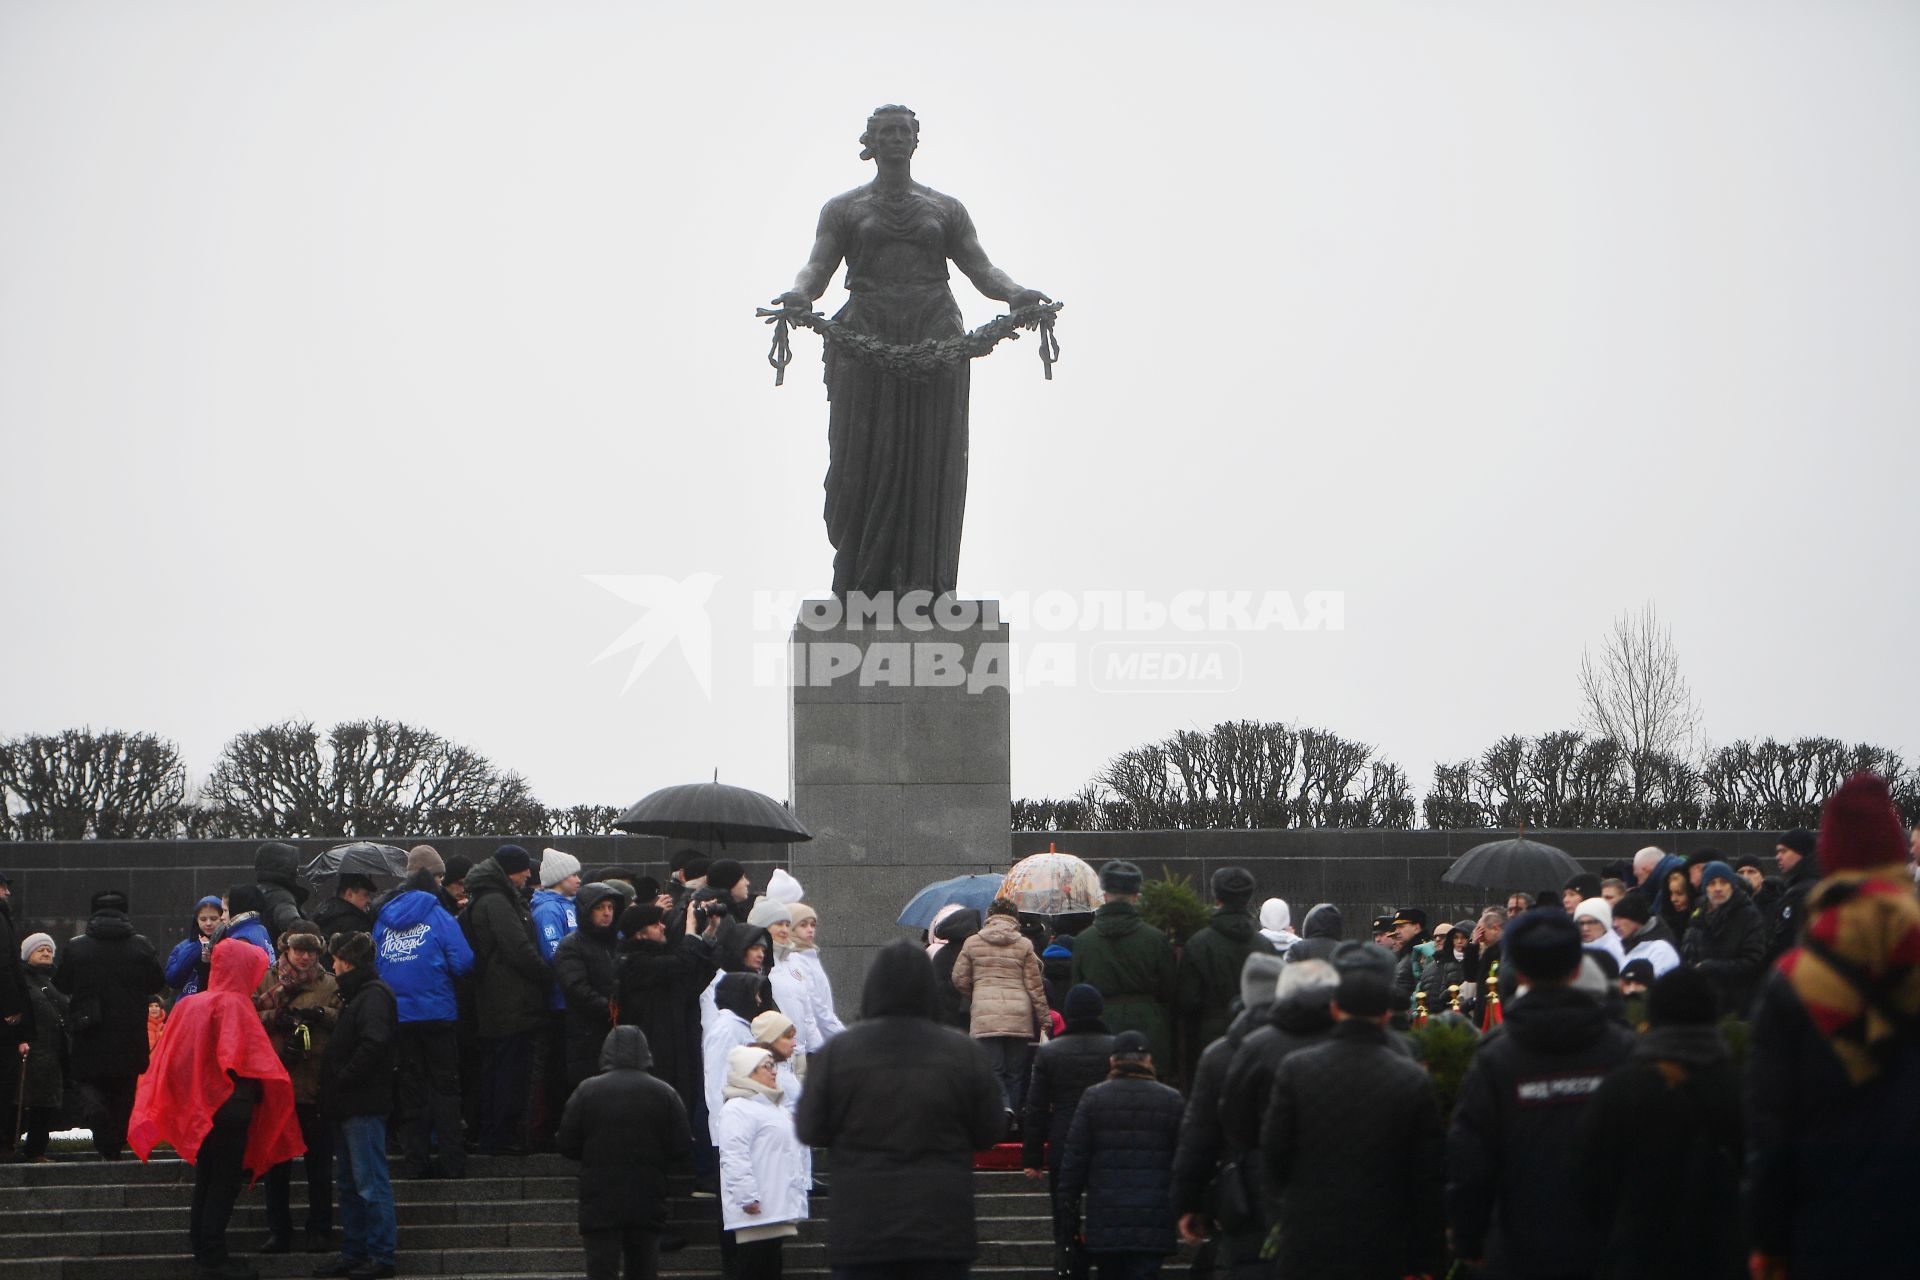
(724, 873)
(1632, 906)
(556, 866)
(800, 912)
(1586, 883)
(111, 900)
(1084, 1003)
(782, 887)
(742, 1061)
(770, 1026)
(457, 867)
(1683, 997)
(640, 916)
(1800, 840)
(695, 868)
(1638, 970)
(1716, 870)
(766, 912)
(512, 859)
(1543, 944)
(32, 943)
(1597, 909)
(1746, 860)
(425, 856)
(1259, 977)
(1859, 829)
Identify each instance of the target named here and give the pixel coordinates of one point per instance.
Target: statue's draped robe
(897, 471)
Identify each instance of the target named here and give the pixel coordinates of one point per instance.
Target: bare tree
(81, 785)
(364, 778)
(1634, 695)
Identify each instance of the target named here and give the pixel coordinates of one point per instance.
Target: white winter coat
(760, 1159)
(724, 1031)
(807, 978)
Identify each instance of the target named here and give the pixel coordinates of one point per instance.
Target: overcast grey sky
(340, 344)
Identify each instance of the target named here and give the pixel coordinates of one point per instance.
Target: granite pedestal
(898, 741)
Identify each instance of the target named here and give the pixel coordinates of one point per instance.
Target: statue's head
(891, 118)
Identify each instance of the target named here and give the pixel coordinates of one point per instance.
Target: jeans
(366, 1197)
(639, 1248)
(507, 1071)
(1008, 1056)
(106, 1103)
(428, 1084)
(318, 1163)
(217, 1173)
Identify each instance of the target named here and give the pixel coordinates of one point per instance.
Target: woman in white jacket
(763, 1176)
(738, 1001)
(821, 1023)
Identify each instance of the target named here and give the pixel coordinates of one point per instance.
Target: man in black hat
(1119, 1155)
(108, 974)
(1129, 961)
(1352, 1139)
(350, 908)
(1799, 872)
(1409, 926)
(1211, 963)
(1383, 934)
(1512, 1143)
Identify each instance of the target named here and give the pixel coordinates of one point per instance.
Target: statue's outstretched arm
(813, 278)
(990, 280)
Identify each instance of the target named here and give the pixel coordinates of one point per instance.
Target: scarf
(1857, 971)
(748, 1087)
(289, 984)
(1131, 1071)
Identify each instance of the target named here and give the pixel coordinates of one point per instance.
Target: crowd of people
(1682, 1066)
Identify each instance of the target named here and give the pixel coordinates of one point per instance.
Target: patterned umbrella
(1053, 884)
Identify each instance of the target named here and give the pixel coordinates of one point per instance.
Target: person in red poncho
(219, 1095)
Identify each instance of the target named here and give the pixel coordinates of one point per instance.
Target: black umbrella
(1518, 863)
(713, 811)
(378, 862)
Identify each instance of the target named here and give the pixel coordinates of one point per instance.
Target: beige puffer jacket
(998, 969)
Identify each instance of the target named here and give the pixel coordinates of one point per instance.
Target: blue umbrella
(976, 891)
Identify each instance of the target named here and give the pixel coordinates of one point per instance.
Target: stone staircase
(81, 1218)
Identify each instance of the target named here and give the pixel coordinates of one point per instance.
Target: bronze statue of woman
(897, 446)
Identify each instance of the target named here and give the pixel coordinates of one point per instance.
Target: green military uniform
(1210, 976)
(1131, 963)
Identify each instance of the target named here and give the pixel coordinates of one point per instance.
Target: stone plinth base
(898, 734)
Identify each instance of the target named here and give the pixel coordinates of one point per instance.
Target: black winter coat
(1352, 1148)
(1063, 1068)
(108, 974)
(902, 1103)
(1513, 1177)
(953, 1008)
(1789, 913)
(1661, 1150)
(1199, 1150)
(337, 915)
(356, 1068)
(14, 997)
(1729, 945)
(584, 968)
(659, 992)
(1288, 1027)
(512, 983)
(1120, 1156)
(276, 869)
(1445, 971)
(1209, 978)
(628, 1129)
(1831, 1165)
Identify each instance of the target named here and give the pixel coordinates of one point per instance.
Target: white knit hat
(1595, 909)
(742, 1061)
(770, 1026)
(782, 887)
(556, 866)
(32, 943)
(766, 912)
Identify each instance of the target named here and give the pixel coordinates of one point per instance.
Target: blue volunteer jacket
(553, 919)
(420, 950)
